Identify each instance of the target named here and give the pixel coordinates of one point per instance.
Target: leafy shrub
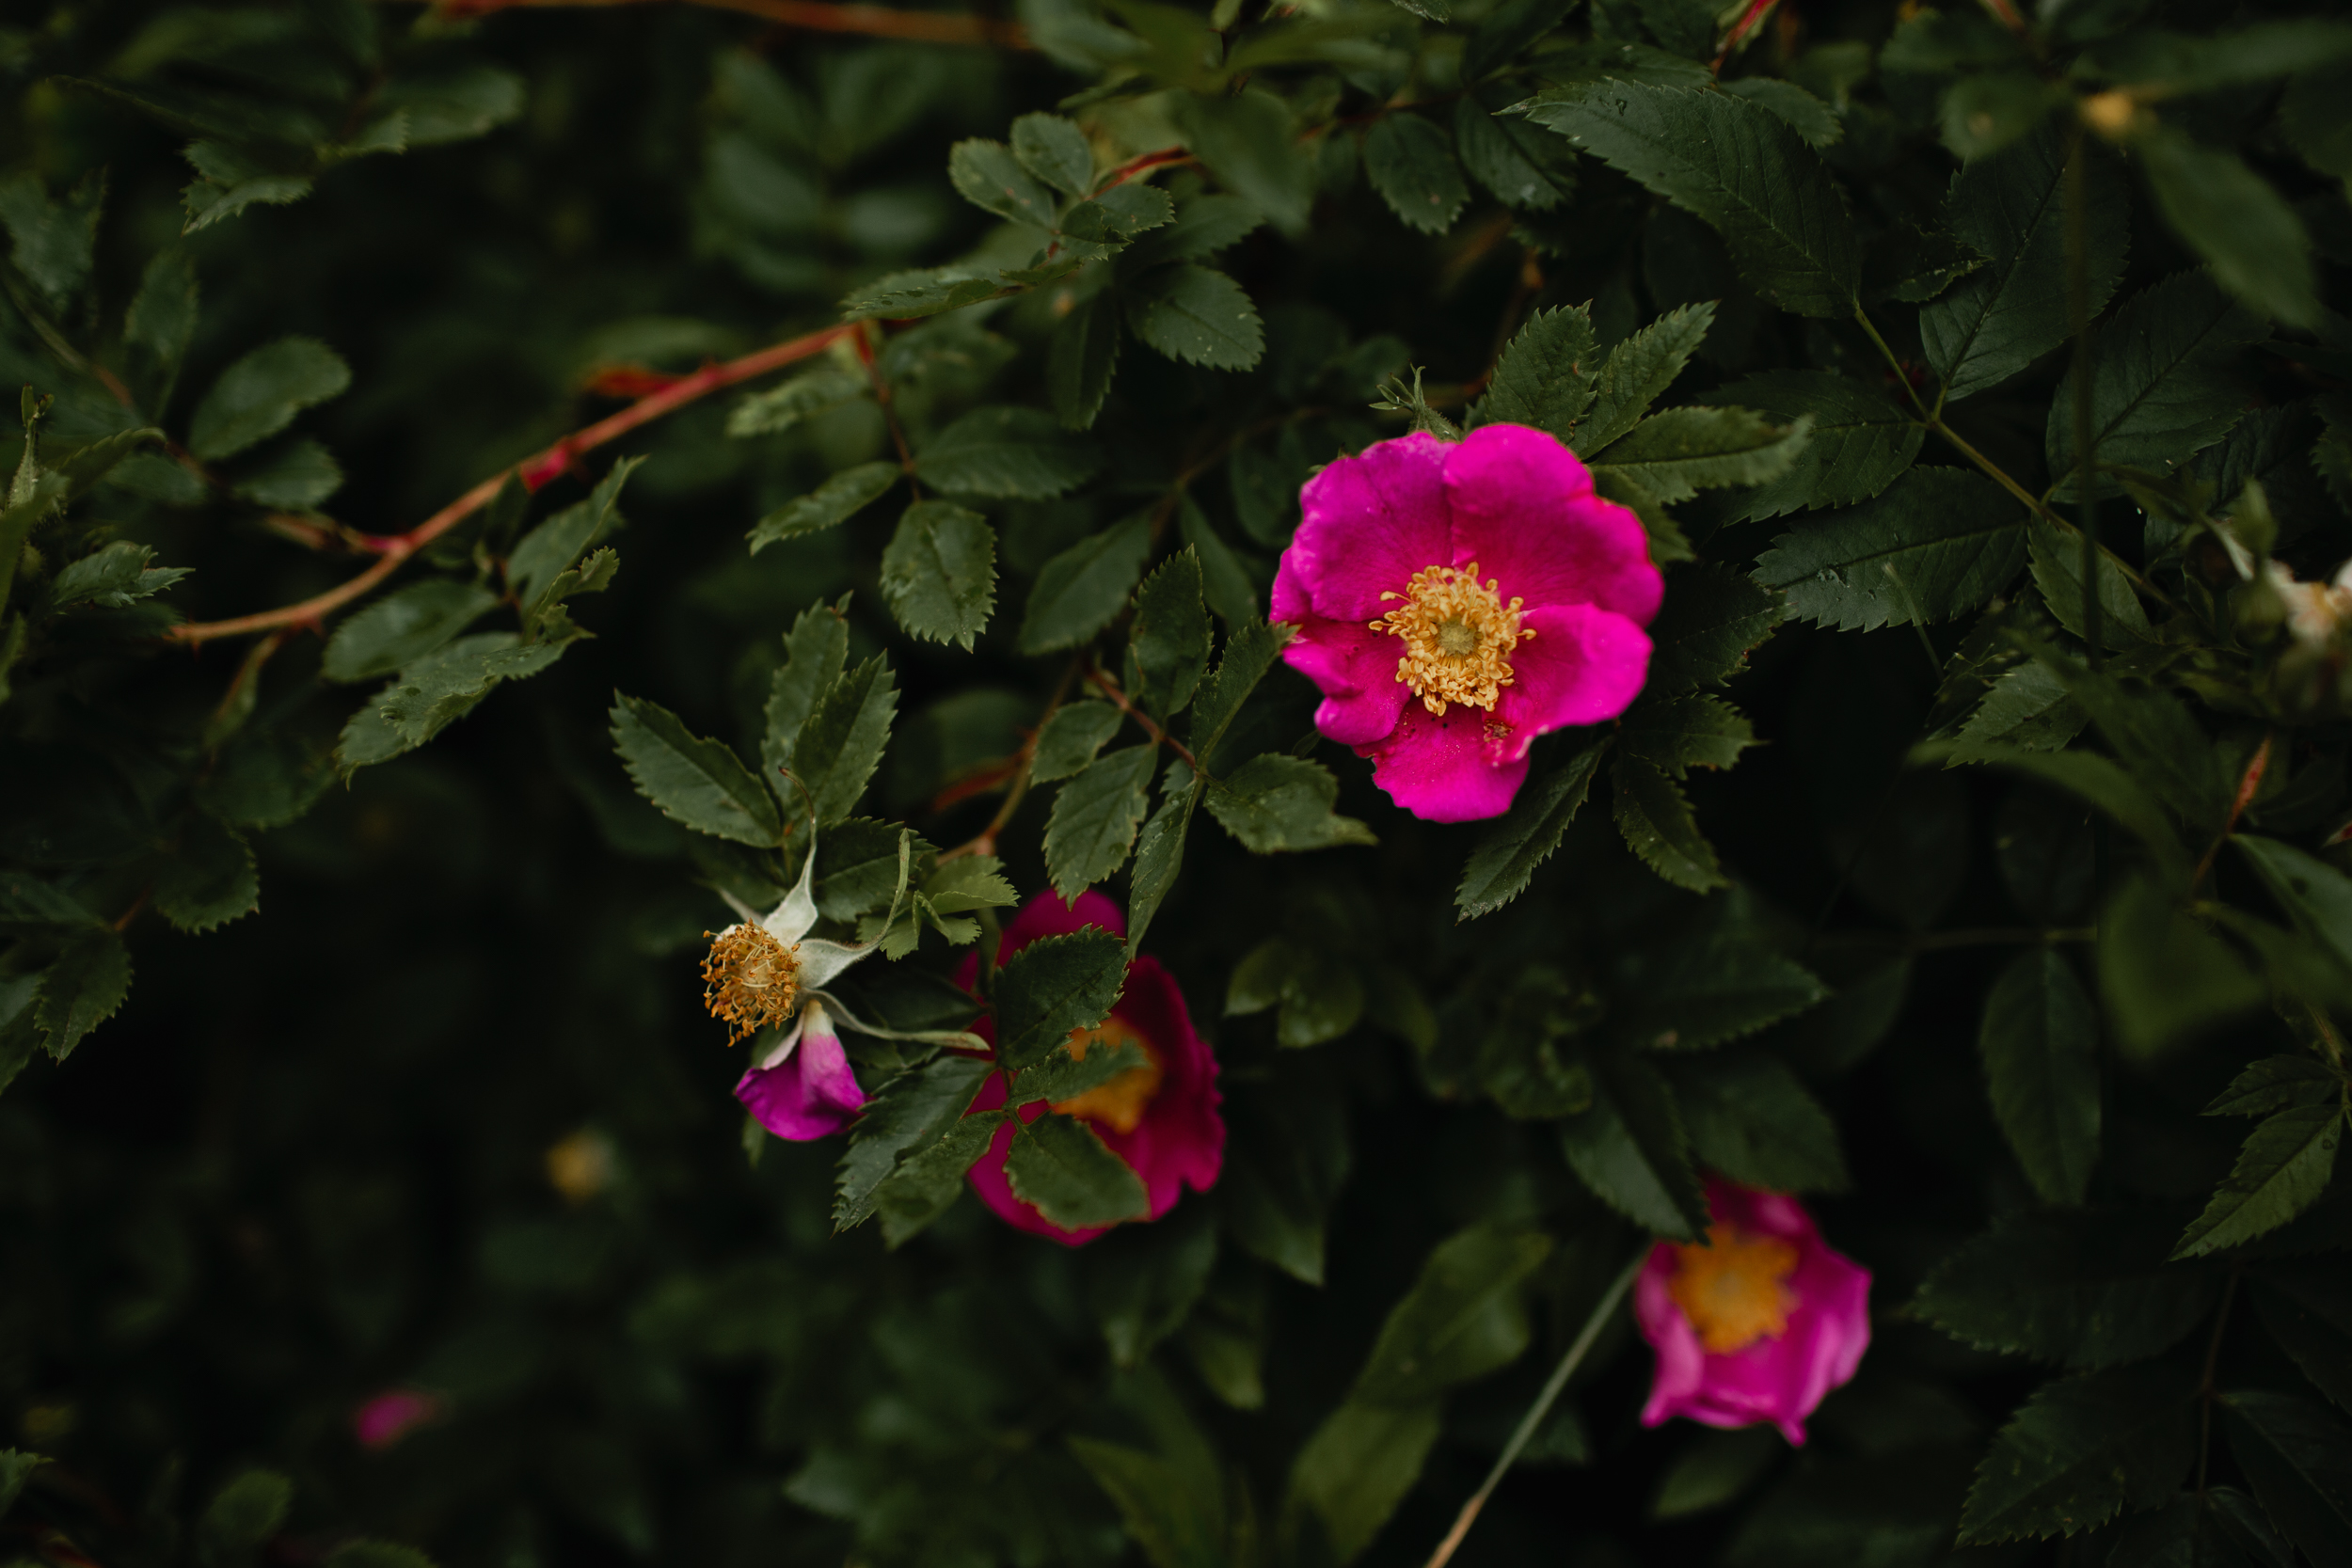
(873, 436)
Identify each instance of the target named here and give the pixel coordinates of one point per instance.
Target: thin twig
(2085, 437)
(2249, 784)
(1536, 1412)
(817, 16)
(1109, 688)
(984, 842)
(2204, 1384)
(535, 472)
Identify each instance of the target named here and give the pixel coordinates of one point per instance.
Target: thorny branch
(535, 472)
(823, 16)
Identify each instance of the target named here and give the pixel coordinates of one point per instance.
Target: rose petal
(1368, 523)
(1446, 770)
(1582, 666)
(1524, 510)
(811, 1093)
(1356, 669)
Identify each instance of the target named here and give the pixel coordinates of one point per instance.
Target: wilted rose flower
(804, 1088)
(392, 1415)
(1160, 1117)
(1757, 1325)
(1454, 600)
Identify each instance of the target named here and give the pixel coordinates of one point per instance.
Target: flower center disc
(1119, 1103)
(1459, 635)
(1733, 1289)
(750, 980)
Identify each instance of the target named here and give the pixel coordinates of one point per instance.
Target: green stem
(2085, 437)
(1535, 1414)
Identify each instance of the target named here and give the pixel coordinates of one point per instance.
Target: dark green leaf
(2237, 221)
(1753, 1120)
(403, 628)
(1411, 163)
(1356, 1468)
(1712, 616)
(1543, 378)
(2010, 207)
(1196, 314)
(1062, 1076)
(1321, 995)
(1275, 803)
(1807, 116)
(1082, 357)
(988, 174)
(2040, 1042)
(2283, 1167)
(1675, 453)
(1861, 440)
(2082, 1449)
(297, 476)
(1630, 1149)
(815, 651)
(1508, 853)
(2085, 1288)
(2299, 1459)
(939, 573)
(1286, 1160)
(1053, 985)
(1095, 818)
(547, 550)
(1658, 825)
(162, 314)
(1176, 1525)
(1733, 164)
(909, 296)
(1170, 635)
(912, 1112)
(454, 103)
(832, 503)
(115, 577)
(1938, 542)
(791, 404)
(2164, 976)
(2273, 1083)
(242, 1518)
(1716, 1468)
(2308, 1310)
(259, 395)
(16, 1468)
(1463, 1318)
(1070, 739)
(1507, 29)
(841, 742)
(1084, 587)
(2162, 388)
(932, 1178)
(1008, 452)
(2316, 896)
(1056, 150)
(1636, 372)
(82, 988)
(699, 784)
(1159, 855)
(1249, 652)
(1703, 992)
(210, 877)
(1523, 167)
(1248, 142)
(1059, 1164)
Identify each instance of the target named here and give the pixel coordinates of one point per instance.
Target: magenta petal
(1356, 669)
(1524, 510)
(808, 1095)
(1368, 523)
(1446, 770)
(1582, 666)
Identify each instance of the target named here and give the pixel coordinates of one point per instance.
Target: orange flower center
(1459, 635)
(750, 980)
(1119, 1103)
(1734, 1289)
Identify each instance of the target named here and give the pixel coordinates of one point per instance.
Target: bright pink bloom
(1511, 601)
(1163, 1121)
(1756, 1327)
(804, 1088)
(392, 1415)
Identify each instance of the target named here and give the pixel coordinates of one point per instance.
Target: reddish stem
(535, 471)
(822, 16)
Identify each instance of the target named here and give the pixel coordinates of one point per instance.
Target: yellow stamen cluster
(1733, 1289)
(1459, 635)
(750, 980)
(1119, 1103)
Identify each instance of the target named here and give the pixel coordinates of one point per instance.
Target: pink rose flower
(1160, 1118)
(392, 1415)
(804, 1088)
(1483, 578)
(1758, 1325)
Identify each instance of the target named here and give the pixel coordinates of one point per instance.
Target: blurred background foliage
(412, 1091)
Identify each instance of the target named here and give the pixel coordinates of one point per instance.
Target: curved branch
(535, 472)
(824, 16)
